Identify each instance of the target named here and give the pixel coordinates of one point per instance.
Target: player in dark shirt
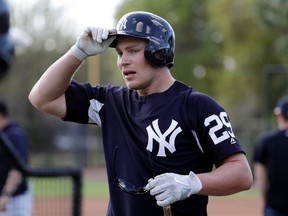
(270, 166)
(15, 193)
(161, 138)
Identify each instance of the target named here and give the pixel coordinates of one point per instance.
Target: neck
(282, 122)
(3, 122)
(161, 82)
(285, 125)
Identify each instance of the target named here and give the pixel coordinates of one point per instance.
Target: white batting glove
(92, 41)
(170, 187)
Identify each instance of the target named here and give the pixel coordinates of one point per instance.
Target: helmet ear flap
(159, 58)
(160, 54)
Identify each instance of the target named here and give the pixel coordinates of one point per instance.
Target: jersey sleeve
(84, 103)
(77, 103)
(213, 128)
(18, 138)
(260, 155)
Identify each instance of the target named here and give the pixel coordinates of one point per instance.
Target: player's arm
(13, 180)
(48, 94)
(232, 176)
(260, 173)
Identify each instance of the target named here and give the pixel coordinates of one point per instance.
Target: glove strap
(195, 184)
(79, 54)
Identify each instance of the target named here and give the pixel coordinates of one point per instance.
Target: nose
(123, 60)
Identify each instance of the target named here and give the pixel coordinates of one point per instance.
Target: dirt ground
(234, 206)
(218, 206)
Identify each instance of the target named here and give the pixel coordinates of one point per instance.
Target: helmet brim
(114, 42)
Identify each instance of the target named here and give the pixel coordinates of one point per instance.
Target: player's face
(136, 71)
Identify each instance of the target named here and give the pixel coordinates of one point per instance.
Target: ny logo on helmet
(122, 24)
(154, 133)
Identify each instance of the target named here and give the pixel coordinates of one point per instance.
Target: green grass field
(95, 189)
(63, 187)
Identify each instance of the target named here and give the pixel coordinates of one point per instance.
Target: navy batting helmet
(6, 43)
(282, 107)
(158, 32)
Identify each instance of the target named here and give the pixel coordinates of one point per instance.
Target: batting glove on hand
(91, 42)
(170, 187)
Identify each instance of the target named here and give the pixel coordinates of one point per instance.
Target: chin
(132, 86)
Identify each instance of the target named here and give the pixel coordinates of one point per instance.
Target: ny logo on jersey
(154, 133)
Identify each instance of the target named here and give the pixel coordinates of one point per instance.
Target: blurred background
(235, 51)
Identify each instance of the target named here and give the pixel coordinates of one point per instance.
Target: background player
(270, 166)
(155, 125)
(16, 197)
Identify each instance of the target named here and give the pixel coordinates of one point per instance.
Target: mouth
(128, 73)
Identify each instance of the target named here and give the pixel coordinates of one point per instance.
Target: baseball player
(161, 138)
(15, 192)
(270, 167)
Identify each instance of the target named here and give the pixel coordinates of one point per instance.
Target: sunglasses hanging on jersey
(125, 185)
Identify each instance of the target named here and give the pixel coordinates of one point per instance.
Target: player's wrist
(78, 53)
(195, 183)
(5, 193)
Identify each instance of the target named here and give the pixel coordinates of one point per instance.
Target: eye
(119, 53)
(133, 51)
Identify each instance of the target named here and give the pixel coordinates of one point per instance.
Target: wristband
(77, 53)
(195, 183)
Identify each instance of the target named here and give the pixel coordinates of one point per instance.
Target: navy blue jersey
(183, 130)
(271, 151)
(20, 143)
